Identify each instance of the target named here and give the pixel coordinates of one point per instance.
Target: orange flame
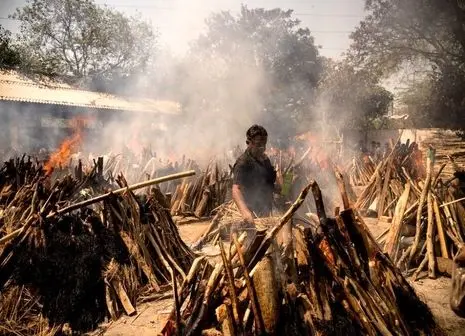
(68, 146)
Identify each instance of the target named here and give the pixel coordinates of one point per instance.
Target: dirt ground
(150, 316)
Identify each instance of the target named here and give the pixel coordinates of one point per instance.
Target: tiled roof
(17, 87)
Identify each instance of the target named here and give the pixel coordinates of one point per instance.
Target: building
(40, 112)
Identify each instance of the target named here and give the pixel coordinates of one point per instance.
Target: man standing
(254, 178)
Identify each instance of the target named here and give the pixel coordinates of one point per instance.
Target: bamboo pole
(120, 191)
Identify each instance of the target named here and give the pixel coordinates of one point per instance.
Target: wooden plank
(124, 298)
(394, 233)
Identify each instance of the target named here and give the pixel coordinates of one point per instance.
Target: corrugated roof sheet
(16, 87)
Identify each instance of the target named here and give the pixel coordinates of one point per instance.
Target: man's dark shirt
(257, 180)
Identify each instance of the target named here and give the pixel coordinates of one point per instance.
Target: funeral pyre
(72, 252)
(71, 257)
(342, 284)
(426, 213)
(427, 221)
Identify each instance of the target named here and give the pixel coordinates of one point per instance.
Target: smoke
(221, 91)
(221, 94)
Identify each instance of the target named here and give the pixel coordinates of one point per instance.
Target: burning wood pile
(342, 285)
(69, 259)
(386, 184)
(195, 196)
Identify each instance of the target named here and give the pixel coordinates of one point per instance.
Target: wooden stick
(259, 324)
(430, 240)
(394, 233)
(193, 328)
(124, 299)
(19, 231)
(423, 196)
(176, 304)
(342, 188)
(452, 202)
(441, 235)
(385, 188)
(232, 287)
(120, 191)
(420, 268)
(10, 236)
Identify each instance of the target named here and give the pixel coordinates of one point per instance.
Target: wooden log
(441, 235)
(445, 266)
(177, 304)
(367, 190)
(232, 287)
(184, 203)
(385, 189)
(124, 298)
(111, 304)
(423, 196)
(225, 320)
(139, 259)
(196, 320)
(430, 239)
(452, 202)
(259, 324)
(267, 288)
(182, 292)
(213, 225)
(342, 188)
(271, 234)
(394, 233)
(420, 268)
(200, 210)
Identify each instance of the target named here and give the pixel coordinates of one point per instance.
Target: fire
(319, 153)
(67, 147)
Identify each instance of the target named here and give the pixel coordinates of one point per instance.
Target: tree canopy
(426, 33)
(260, 64)
(9, 57)
(82, 41)
(352, 98)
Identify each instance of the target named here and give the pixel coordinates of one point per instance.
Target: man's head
(257, 138)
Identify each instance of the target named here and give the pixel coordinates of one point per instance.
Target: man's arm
(240, 202)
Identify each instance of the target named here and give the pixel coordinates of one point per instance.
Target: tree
(81, 41)
(426, 33)
(9, 57)
(352, 98)
(257, 66)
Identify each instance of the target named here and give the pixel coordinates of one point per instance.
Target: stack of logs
(428, 224)
(66, 265)
(386, 184)
(360, 170)
(342, 285)
(197, 196)
(201, 195)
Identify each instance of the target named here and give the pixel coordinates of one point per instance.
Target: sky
(181, 21)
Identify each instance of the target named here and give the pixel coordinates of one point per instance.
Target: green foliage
(353, 98)
(426, 32)
(9, 58)
(81, 41)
